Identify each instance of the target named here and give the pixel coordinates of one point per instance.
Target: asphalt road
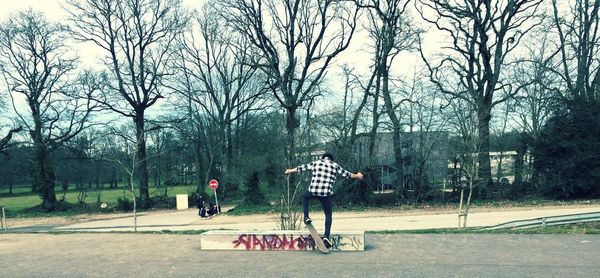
(398, 255)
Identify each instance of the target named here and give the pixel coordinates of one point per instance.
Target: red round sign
(213, 184)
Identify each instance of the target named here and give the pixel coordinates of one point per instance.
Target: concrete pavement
(385, 255)
(188, 220)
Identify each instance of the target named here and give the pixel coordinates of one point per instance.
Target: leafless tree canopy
(579, 47)
(217, 82)
(39, 71)
(482, 35)
(296, 42)
(246, 88)
(136, 37)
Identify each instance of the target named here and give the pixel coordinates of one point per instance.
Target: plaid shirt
(323, 176)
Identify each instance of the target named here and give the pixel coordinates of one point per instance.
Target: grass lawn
(23, 201)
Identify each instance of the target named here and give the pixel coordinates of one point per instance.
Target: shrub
(161, 202)
(384, 199)
(566, 153)
(253, 194)
(124, 204)
(352, 193)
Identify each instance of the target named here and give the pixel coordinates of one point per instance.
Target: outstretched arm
(349, 175)
(291, 170)
(358, 176)
(300, 168)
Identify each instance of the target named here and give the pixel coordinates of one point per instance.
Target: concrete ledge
(296, 240)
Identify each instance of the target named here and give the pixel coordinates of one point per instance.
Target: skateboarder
(324, 173)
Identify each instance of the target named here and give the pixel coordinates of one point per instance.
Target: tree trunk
(375, 122)
(517, 185)
(142, 163)
(500, 169)
(113, 178)
(396, 137)
(199, 166)
(399, 162)
(483, 128)
(44, 177)
(292, 125)
(229, 152)
(158, 177)
(43, 174)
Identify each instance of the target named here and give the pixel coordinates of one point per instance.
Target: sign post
(214, 184)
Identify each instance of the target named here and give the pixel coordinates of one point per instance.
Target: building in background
(424, 155)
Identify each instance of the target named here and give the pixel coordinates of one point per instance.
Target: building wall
(431, 146)
(507, 158)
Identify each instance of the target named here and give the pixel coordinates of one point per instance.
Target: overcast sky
(88, 54)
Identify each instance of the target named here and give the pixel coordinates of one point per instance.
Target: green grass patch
(16, 190)
(187, 232)
(26, 203)
(592, 228)
(531, 202)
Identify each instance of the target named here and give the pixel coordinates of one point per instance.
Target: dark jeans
(327, 209)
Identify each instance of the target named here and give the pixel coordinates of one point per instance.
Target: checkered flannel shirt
(324, 173)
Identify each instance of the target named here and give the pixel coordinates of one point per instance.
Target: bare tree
(499, 126)
(38, 71)
(136, 36)
(297, 42)
(427, 133)
(129, 163)
(336, 123)
(4, 142)
(222, 81)
(392, 31)
(579, 37)
(535, 103)
(464, 118)
(483, 35)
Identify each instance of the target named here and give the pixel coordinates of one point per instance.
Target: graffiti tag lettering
(274, 242)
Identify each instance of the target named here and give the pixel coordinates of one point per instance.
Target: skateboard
(317, 238)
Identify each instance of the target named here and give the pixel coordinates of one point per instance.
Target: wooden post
(4, 226)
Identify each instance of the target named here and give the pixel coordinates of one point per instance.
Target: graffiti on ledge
(274, 242)
(294, 242)
(347, 243)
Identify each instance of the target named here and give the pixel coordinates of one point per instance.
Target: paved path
(189, 220)
(398, 255)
